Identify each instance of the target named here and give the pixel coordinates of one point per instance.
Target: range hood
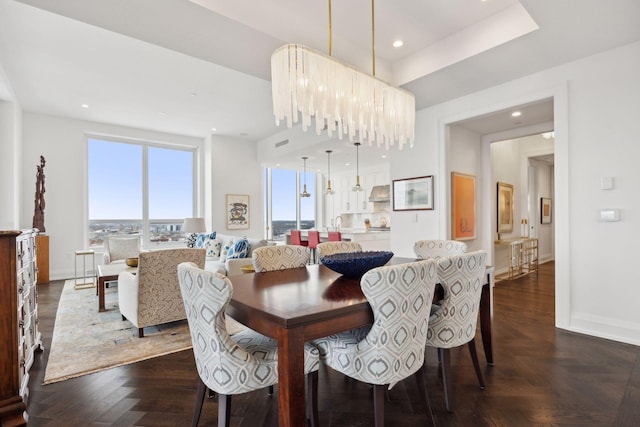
(380, 193)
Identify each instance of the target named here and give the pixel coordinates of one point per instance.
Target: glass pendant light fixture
(357, 187)
(329, 190)
(311, 86)
(304, 191)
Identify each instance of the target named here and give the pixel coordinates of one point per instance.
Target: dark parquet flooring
(542, 376)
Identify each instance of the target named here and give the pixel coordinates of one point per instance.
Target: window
(135, 187)
(286, 210)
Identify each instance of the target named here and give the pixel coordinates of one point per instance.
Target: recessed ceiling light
(85, 105)
(194, 94)
(398, 43)
(213, 129)
(516, 114)
(384, 156)
(347, 164)
(277, 165)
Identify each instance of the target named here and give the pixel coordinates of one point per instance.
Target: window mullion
(146, 226)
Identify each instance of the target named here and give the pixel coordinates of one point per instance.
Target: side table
(84, 281)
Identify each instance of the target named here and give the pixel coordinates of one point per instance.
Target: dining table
(297, 305)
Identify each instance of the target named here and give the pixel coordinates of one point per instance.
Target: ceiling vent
(281, 143)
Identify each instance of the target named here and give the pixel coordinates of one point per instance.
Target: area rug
(87, 341)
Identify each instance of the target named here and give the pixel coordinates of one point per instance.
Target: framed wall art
(237, 207)
(413, 193)
(463, 206)
(545, 210)
(505, 207)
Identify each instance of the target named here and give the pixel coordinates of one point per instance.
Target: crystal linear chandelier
(338, 97)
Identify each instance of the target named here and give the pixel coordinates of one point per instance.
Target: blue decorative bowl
(355, 264)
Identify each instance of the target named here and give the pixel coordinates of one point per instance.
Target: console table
(522, 256)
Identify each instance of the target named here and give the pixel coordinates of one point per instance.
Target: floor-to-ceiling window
(286, 210)
(139, 188)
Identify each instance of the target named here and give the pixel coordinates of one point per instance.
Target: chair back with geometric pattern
(454, 322)
(330, 248)
(280, 257)
(436, 249)
(223, 366)
(393, 349)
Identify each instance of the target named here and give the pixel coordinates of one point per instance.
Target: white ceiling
(184, 67)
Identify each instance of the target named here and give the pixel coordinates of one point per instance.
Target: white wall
(235, 170)
(10, 165)
(596, 105)
(62, 142)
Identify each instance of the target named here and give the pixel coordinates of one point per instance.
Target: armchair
(152, 296)
(119, 248)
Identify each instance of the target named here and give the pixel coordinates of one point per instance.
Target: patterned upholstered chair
(392, 349)
(454, 322)
(280, 257)
(427, 249)
(228, 364)
(330, 248)
(152, 296)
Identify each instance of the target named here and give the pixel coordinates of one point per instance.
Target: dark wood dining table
(301, 304)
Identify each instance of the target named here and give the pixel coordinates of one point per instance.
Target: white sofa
(233, 266)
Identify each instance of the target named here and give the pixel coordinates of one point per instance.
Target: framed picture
(505, 207)
(545, 210)
(413, 194)
(237, 211)
(463, 206)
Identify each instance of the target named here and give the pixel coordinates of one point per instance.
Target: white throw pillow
(213, 247)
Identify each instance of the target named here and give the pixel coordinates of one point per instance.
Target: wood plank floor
(542, 376)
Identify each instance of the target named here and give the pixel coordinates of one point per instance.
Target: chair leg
(476, 365)
(422, 386)
(378, 401)
(271, 390)
(140, 332)
(224, 410)
(202, 388)
(445, 357)
(312, 398)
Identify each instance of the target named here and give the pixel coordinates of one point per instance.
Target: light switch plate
(606, 183)
(609, 215)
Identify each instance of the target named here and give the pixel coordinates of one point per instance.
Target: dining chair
(334, 236)
(280, 257)
(231, 364)
(296, 238)
(428, 249)
(453, 322)
(330, 248)
(393, 348)
(313, 239)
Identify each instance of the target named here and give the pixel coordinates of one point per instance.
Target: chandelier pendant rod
(330, 30)
(373, 37)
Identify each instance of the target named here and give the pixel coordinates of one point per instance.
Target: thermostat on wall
(609, 215)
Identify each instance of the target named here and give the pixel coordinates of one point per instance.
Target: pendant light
(329, 190)
(304, 191)
(357, 187)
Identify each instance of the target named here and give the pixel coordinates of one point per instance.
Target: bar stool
(296, 238)
(335, 236)
(84, 281)
(313, 239)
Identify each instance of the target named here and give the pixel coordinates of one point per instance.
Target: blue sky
(283, 184)
(116, 179)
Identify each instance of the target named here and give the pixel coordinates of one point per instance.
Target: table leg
(485, 320)
(101, 281)
(291, 407)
